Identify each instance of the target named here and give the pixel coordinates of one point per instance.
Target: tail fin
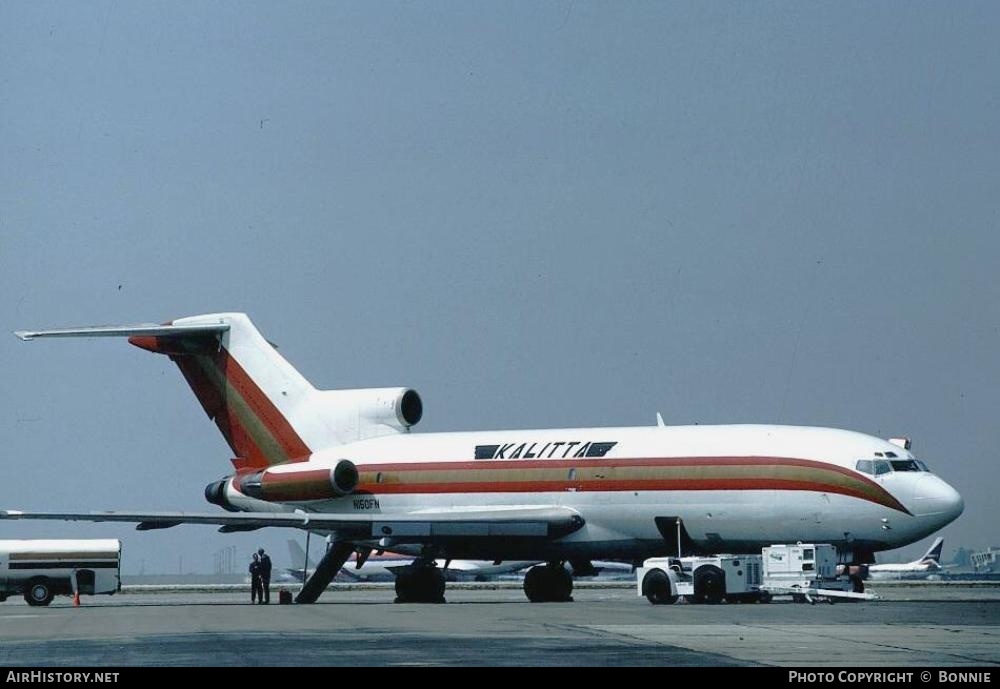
(256, 398)
(298, 555)
(267, 412)
(933, 554)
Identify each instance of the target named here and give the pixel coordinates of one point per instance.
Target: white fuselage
(734, 488)
(903, 571)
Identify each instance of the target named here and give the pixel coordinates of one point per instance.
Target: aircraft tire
(533, 585)
(548, 584)
(421, 584)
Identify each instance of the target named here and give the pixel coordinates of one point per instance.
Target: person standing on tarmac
(256, 590)
(265, 576)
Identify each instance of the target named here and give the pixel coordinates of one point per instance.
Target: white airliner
(388, 566)
(930, 562)
(343, 463)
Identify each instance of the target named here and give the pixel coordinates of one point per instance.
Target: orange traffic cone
(76, 599)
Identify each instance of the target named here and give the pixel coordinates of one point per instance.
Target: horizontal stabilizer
(143, 329)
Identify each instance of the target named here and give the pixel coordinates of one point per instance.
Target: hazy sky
(565, 213)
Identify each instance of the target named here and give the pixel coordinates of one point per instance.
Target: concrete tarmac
(912, 626)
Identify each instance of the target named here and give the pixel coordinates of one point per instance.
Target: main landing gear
(550, 583)
(421, 582)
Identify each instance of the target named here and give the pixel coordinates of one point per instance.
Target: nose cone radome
(934, 498)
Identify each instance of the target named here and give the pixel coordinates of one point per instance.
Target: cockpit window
(865, 466)
(891, 455)
(905, 465)
(921, 465)
(882, 467)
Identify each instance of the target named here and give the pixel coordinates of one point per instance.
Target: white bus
(42, 569)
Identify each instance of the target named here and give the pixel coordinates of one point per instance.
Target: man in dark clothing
(256, 592)
(265, 576)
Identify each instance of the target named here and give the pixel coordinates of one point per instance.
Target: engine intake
(396, 407)
(370, 412)
(411, 408)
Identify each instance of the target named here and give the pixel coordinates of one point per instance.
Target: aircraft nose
(932, 497)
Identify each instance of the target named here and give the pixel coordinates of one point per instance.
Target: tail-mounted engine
(305, 484)
(370, 412)
(286, 486)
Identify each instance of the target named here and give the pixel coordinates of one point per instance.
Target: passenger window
(865, 466)
(882, 467)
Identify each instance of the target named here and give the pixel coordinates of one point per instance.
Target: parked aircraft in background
(344, 463)
(929, 563)
(301, 566)
(387, 566)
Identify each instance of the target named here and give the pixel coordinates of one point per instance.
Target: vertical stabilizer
(256, 398)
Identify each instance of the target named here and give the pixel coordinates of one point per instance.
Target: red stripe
(297, 485)
(282, 478)
(272, 419)
(881, 496)
(606, 462)
(608, 485)
(624, 486)
(213, 403)
(618, 462)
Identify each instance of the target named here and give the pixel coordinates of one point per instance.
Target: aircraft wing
(422, 526)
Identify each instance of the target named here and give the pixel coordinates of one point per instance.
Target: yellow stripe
(251, 423)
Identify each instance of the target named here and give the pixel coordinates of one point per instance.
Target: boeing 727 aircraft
(344, 463)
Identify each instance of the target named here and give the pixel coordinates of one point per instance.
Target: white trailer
(809, 571)
(42, 569)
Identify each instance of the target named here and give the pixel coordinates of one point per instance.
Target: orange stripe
(298, 485)
(530, 476)
(214, 403)
(270, 417)
(214, 375)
